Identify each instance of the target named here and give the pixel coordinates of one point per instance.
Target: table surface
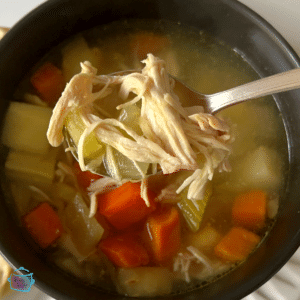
(284, 15)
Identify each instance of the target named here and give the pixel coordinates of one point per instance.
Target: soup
(102, 230)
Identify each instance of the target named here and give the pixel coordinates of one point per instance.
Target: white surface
(13, 10)
(284, 15)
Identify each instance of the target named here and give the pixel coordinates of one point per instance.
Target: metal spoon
(281, 82)
(215, 102)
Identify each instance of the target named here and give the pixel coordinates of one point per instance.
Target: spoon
(213, 103)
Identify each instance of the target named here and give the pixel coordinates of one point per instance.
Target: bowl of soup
(219, 214)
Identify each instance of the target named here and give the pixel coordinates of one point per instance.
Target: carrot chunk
(146, 42)
(237, 244)
(124, 206)
(43, 224)
(49, 82)
(84, 178)
(124, 251)
(249, 210)
(163, 227)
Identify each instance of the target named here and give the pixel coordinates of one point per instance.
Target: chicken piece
(170, 137)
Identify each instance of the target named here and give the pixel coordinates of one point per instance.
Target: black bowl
(246, 32)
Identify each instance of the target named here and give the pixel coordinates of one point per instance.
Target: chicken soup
(124, 181)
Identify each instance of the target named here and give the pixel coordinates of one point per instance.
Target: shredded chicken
(183, 261)
(168, 194)
(78, 93)
(64, 172)
(144, 192)
(65, 168)
(105, 184)
(273, 205)
(175, 138)
(100, 186)
(40, 192)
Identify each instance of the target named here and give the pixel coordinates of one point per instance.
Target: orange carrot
(49, 82)
(237, 244)
(146, 42)
(84, 178)
(124, 251)
(249, 210)
(43, 224)
(124, 206)
(163, 227)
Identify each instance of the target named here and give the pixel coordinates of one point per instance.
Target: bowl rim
(256, 18)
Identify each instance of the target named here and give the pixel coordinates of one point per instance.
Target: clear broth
(209, 66)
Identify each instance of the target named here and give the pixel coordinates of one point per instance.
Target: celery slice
(118, 165)
(191, 213)
(130, 117)
(93, 148)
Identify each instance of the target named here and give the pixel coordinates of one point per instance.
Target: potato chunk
(259, 169)
(262, 169)
(33, 169)
(205, 239)
(76, 52)
(252, 120)
(144, 281)
(25, 127)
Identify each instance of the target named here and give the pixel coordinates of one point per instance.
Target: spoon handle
(266, 86)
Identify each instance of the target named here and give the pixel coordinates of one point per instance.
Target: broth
(258, 158)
